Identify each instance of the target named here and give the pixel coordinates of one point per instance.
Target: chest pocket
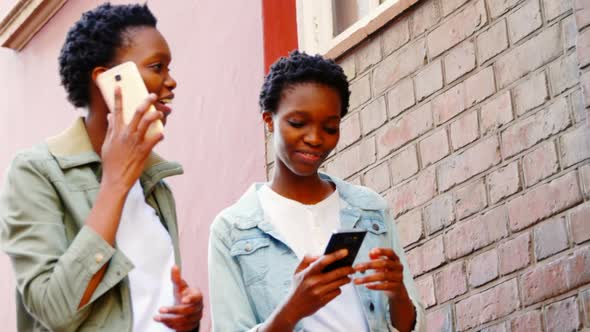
(373, 223)
(376, 233)
(252, 256)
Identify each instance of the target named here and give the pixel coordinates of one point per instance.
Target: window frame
(315, 25)
(24, 20)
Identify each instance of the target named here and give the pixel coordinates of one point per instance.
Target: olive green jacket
(45, 200)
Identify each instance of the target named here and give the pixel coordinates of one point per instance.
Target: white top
(306, 229)
(144, 240)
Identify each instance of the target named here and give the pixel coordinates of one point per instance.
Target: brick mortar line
(516, 158)
(530, 113)
(502, 164)
(476, 106)
(517, 275)
(572, 246)
(442, 20)
(442, 55)
(490, 207)
(511, 234)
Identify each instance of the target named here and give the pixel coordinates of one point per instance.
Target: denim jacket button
(371, 307)
(248, 247)
(375, 227)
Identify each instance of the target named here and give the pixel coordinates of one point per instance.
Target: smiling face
(305, 126)
(149, 50)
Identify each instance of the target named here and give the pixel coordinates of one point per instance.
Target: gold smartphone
(133, 90)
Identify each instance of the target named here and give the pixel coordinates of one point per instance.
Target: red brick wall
(470, 118)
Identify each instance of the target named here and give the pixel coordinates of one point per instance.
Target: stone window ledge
(315, 17)
(24, 20)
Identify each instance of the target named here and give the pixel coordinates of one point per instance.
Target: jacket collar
(248, 213)
(72, 148)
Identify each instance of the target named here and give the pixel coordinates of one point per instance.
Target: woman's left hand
(187, 312)
(388, 276)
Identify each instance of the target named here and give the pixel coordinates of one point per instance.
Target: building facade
(470, 116)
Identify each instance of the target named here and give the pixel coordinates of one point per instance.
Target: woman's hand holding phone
(126, 147)
(388, 278)
(312, 290)
(123, 153)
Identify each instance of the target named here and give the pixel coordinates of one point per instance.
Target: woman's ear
(97, 71)
(268, 121)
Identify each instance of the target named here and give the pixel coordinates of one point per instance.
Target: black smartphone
(350, 239)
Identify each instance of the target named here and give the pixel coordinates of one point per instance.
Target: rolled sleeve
(90, 250)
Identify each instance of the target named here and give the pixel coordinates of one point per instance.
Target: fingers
(183, 309)
(192, 296)
(110, 124)
(383, 252)
(338, 273)
(140, 122)
(150, 142)
(146, 121)
(118, 109)
(175, 275)
(140, 111)
(326, 260)
(186, 315)
(385, 286)
(385, 276)
(179, 284)
(330, 296)
(379, 264)
(389, 270)
(179, 322)
(332, 286)
(305, 262)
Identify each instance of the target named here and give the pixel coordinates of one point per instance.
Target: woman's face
(306, 126)
(149, 50)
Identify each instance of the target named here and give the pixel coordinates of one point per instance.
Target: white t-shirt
(306, 229)
(144, 240)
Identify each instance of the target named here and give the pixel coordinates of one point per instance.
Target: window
(347, 12)
(330, 27)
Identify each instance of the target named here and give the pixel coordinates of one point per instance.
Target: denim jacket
(251, 268)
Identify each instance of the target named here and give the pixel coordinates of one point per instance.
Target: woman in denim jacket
(265, 251)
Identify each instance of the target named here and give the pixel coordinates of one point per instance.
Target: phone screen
(344, 239)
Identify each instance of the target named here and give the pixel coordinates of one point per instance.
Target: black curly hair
(93, 41)
(300, 67)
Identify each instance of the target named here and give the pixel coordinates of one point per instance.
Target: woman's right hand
(125, 148)
(123, 153)
(313, 289)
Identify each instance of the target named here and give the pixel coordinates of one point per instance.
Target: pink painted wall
(215, 132)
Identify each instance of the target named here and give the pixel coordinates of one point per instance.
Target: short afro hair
(300, 67)
(93, 41)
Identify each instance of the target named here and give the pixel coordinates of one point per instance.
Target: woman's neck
(96, 125)
(304, 189)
